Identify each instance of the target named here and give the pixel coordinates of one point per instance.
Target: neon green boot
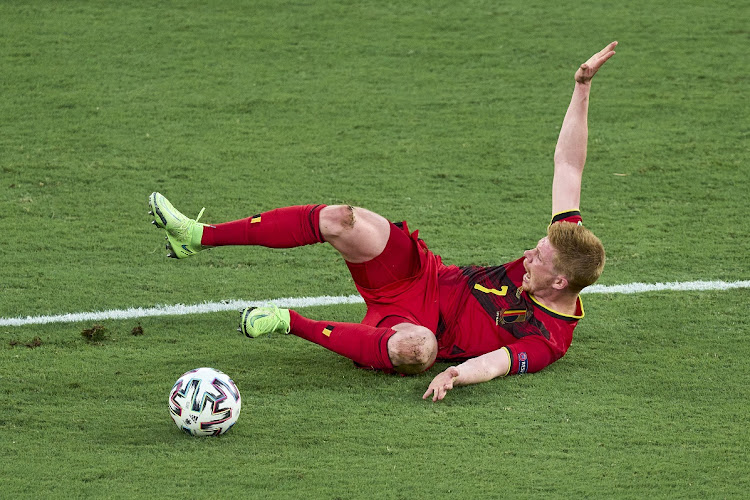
(257, 321)
(183, 234)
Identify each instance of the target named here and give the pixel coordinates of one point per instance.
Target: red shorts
(401, 284)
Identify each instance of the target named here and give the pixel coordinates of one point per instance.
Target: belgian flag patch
(255, 219)
(327, 330)
(511, 316)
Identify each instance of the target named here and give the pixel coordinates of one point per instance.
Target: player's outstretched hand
(441, 384)
(588, 69)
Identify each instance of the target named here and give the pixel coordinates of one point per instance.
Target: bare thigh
(357, 233)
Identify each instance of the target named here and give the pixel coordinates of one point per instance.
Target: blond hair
(580, 254)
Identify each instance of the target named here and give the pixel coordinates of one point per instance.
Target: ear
(560, 283)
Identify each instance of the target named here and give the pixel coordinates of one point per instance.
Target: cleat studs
(151, 213)
(153, 222)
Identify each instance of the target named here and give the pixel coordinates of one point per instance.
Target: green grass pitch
(441, 113)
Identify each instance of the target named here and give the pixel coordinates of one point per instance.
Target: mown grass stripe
(300, 302)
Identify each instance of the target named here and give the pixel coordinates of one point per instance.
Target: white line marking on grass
(299, 302)
(180, 309)
(684, 286)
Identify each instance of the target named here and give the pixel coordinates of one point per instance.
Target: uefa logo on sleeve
(523, 363)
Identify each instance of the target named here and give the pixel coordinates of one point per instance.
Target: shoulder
(573, 216)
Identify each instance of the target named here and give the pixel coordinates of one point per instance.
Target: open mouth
(527, 275)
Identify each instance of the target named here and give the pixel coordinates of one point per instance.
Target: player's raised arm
(570, 153)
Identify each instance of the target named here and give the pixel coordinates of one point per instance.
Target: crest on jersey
(507, 316)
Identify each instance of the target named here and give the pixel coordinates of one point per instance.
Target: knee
(412, 349)
(336, 220)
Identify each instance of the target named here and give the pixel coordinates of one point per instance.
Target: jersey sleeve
(573, 216)
(530, 354)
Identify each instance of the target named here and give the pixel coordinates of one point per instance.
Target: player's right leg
(412, 349)
(403, 348)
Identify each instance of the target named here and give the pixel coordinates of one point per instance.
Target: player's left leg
(358, 234)
(285, 227)
(183, 233)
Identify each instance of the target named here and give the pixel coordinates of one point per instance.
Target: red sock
(365, 345)
(281, 228)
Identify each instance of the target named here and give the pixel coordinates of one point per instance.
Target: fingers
(588, 69)
(609, 48)
(603, 55)
(441, 384)
(604, 58)
(438, 393)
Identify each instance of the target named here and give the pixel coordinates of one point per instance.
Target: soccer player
(491, 321)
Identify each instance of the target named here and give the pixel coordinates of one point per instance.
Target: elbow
(559, 156)
(566, 163)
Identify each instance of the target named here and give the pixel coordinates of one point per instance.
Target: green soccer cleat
(183, 234)
(257, 321)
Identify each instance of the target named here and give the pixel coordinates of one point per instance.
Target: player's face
(540, 268)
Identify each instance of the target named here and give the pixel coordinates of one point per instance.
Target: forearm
(476, 370)
(483, 368)
(574, 133)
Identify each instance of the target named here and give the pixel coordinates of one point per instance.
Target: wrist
(455, 373)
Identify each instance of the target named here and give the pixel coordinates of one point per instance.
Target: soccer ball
(204, 402)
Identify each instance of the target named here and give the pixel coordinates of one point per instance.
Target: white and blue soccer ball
(205, 402)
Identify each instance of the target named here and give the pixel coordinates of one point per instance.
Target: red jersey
(475, 310)
(483, 309)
